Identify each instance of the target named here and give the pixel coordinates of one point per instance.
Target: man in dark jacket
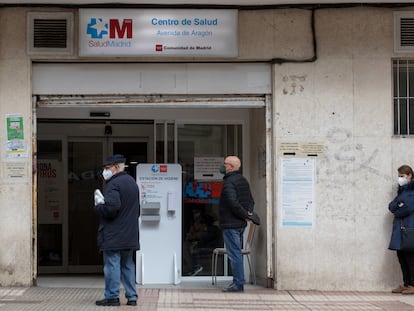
(118, 233)
(236, 206)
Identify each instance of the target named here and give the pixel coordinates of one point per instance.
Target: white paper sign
(162, 32)
(208, 168)
(297, 192)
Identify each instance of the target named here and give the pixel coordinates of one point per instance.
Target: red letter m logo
(114, 27)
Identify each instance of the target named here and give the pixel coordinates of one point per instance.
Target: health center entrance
(70, 153)
(191, 114)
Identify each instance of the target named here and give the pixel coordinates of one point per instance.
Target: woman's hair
(405, 169)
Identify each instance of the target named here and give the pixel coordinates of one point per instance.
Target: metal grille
(50, 33)
(403, 96)
(407, 31)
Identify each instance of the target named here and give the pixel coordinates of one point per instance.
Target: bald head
(232, 164)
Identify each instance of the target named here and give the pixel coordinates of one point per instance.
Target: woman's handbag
(407, 238)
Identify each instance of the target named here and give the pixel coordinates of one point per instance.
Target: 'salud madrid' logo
(97, 28)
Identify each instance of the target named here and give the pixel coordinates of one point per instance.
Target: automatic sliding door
(51, 205)
(84, 166)
(69, 170)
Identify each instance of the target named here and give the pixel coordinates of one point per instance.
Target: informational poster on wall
(15, 146)
(297, 183)
(15, 170)
(159, 259)
(161, 32)
(14, 127)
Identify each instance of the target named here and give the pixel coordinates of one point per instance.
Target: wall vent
(404, 32)
(50, 33)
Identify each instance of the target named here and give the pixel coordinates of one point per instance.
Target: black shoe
(132, 303)
(233, 288)
(110, 302)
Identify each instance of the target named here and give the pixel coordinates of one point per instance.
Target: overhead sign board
(149, 32)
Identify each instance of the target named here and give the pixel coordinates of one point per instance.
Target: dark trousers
(406, 260)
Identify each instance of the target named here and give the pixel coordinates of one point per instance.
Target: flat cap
(112, 159)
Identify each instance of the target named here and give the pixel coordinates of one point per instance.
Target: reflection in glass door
(84, 165)
(134, 153)
(201, 234)
(51, 204)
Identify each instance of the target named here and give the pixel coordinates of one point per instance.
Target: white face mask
(107, 173)
(402, 181)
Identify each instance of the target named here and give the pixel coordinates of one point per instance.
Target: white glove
(99, 198)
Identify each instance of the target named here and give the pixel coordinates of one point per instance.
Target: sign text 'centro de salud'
(148, 32)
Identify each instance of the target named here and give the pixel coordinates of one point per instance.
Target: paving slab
(185, 299)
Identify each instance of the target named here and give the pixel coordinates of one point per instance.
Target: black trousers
(406, 260)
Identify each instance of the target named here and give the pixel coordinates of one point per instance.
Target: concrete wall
(342, 100)
(15, 193)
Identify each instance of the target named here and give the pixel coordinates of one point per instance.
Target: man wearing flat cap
(118, 233)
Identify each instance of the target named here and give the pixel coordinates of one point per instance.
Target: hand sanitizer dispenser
(171, 202)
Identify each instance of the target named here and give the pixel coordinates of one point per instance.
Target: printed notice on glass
(297, 192)
(208, 168)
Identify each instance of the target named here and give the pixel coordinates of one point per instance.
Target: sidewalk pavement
(180, 298)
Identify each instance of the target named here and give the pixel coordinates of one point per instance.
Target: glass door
(201, 150)
(85, 160)
(51, 204)
(68, 173)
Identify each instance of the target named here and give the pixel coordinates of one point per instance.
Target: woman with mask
(402, 206)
